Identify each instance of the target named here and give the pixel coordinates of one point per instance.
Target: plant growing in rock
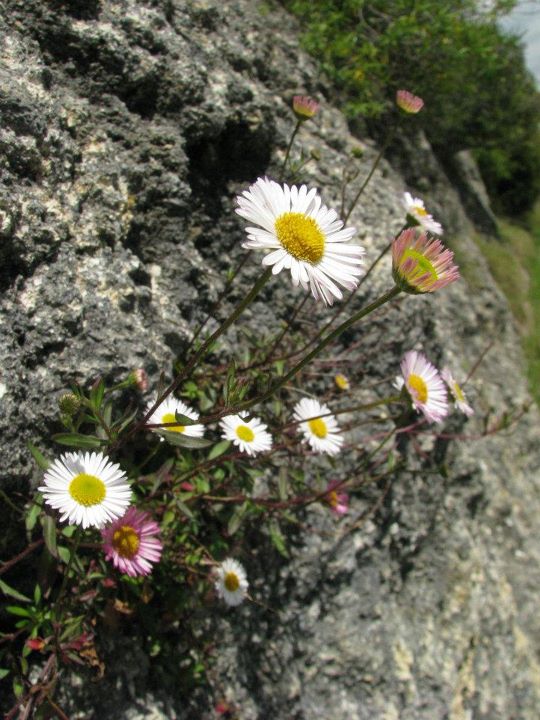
(147, 516)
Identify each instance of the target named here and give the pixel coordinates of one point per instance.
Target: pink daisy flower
(304, 107)
(408, 102)
(338, 501)
(131, 543)
(457, 393)
(422, 264)
(425, 386)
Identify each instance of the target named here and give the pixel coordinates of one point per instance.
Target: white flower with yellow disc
(166, 413)
(304, 236)
(248, 435)
(87, 488)
(322, 433)
(425, 386)
(231, 582)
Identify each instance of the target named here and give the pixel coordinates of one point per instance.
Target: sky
(524, 20)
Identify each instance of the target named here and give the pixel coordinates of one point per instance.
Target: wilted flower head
(304, 107)
(457, 393)
(408, 102)
(338, 501)
(132, 543)
(421, 264)
(425, 386)
(304, 236)
(87, 488)
(418, 215)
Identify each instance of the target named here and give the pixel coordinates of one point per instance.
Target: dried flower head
(338, 501)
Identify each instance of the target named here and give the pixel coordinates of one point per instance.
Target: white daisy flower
(416, 209)
(249, 435)
(231, 582)
(166, 413)
(322, 433)
(304, 236)
(87, 488)
(457, 392)
(425, 386)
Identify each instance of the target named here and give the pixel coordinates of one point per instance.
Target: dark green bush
(478, 94)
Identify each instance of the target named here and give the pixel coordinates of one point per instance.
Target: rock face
(126, 129)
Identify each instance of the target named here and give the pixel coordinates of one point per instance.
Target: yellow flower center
(245, 433)
(126, 541)
(342, 382)
(87, 490)
(171, 418)
(231, 582)
(458, 392)
(419, 210)
(422, 263)
(318, 427)
(419, 386)
(300, 236)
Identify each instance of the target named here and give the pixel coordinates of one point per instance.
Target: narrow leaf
(219, 449)
(8, 590)
(49, 534)
(38, 456)
(184, 509)
(77, 440)
(183, 440)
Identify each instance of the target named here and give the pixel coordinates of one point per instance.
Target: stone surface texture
(127, 127)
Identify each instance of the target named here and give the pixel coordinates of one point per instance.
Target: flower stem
(322, 344)
(201, 352)
(289, 147)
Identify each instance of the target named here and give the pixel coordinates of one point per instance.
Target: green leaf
(64, 554)
(8, 590)
(283, 485)
(16, 610)
(184, 419)
(183, 440)
(219, 449)
(184, 509)
(32, 516)
(236, 518)
(3, 673)
(49, 534)
(96, 393)
(277, 538)
(40, 459)
(78, 440)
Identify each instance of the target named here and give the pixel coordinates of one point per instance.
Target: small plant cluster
(152, 505)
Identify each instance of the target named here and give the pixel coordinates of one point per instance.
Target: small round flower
(304, 107)
(166, 413)
(87, 488)
(338, 501)
(322, 433)
(418, 215)
(457, 392)
(425, 386)
(231, 582)
(304, 236)
(422, 264)
(342, 382)
(248, 435)
(132, 543)
(408, 102)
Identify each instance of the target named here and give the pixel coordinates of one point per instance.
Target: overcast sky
(525, 21)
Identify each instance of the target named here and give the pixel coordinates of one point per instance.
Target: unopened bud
(69, 404)
(139, 378)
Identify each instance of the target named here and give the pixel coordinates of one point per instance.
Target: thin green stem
(59, 600)
(201, 352)
(370, 175)
(285, 330)
(320, 347)
(289, 148)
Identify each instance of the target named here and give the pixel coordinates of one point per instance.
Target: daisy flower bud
(304, 107)
(69, 404)
(409, 103)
